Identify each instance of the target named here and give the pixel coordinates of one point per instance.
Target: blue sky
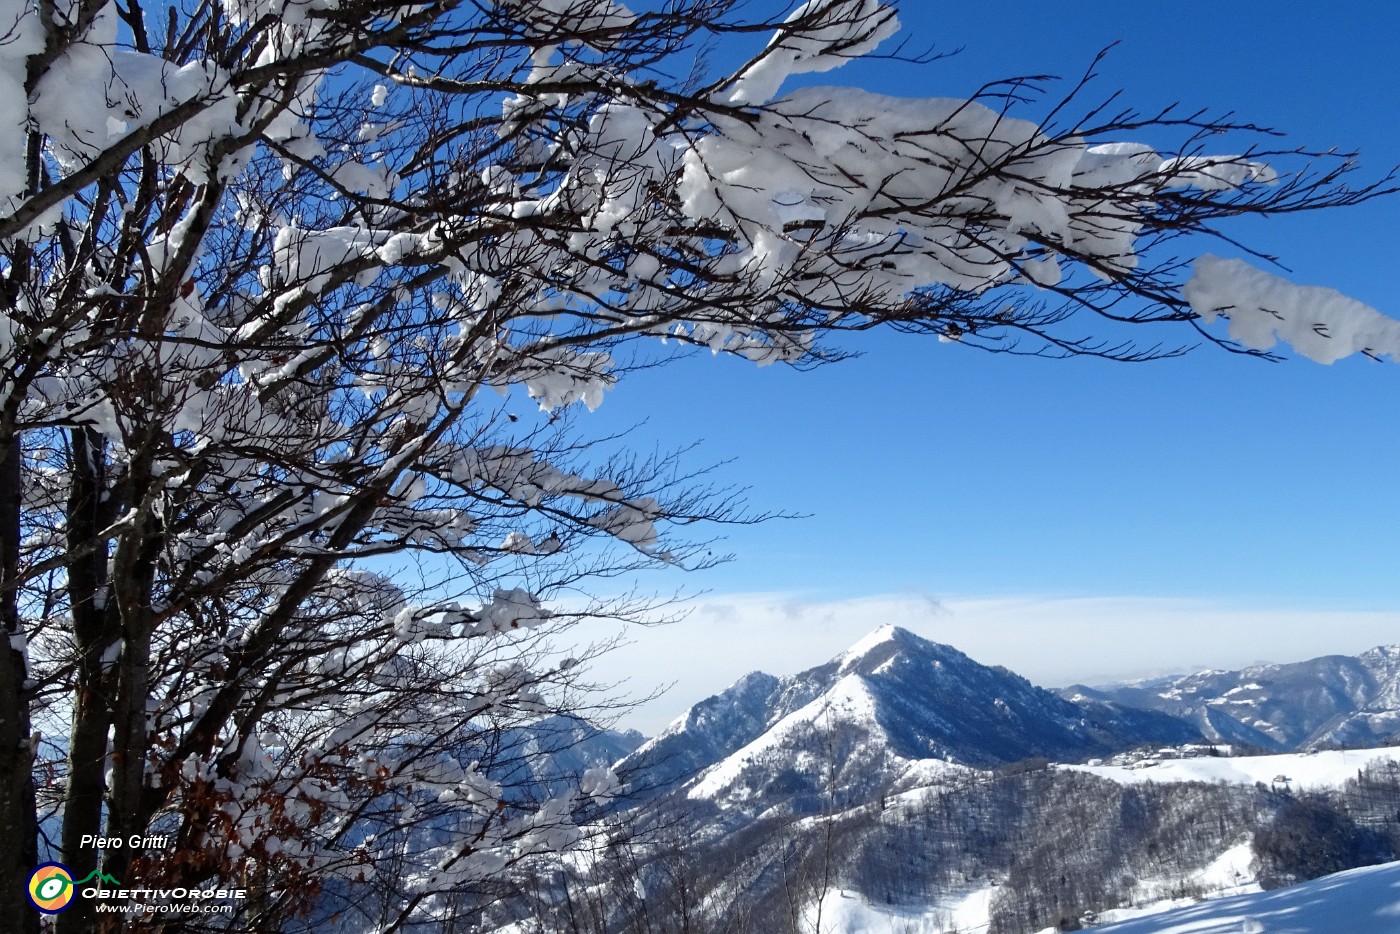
(1261, 498)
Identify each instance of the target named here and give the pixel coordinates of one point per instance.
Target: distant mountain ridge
(904, 786)
(544, 759)
(861, 719)
(895, 709)
(1335, 700)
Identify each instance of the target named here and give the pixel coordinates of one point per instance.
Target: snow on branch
(1320, 323)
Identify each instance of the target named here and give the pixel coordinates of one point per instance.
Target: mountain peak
(1382, 653)
(888, 633)
(891, 697)
(888, 643)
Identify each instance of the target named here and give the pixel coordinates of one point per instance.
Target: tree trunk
(87, 741)
(19, 842)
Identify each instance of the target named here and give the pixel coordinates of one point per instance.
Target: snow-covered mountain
(545, 758)
(903, 786)
(1335, 700)
(862, 719)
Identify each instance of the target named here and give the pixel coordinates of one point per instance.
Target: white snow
(1328, 769)
(848, 912)
(1230, 873)
(849, 698)
(818, 36)
(23, 37)
(867, 642)
(1320, 323)
(1216, 173)
(1361, 901)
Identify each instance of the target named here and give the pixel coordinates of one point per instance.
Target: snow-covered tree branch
(276, 276)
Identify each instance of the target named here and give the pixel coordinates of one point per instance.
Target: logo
(51, 888)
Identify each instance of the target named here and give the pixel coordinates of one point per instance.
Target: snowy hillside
(703, 735)
(1359, 901)
(848, 912)
(1226, 897)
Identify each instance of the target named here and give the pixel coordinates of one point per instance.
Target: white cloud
(1050, 640)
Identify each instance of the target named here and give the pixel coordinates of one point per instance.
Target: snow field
(1360, 901)
(1302, 770)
